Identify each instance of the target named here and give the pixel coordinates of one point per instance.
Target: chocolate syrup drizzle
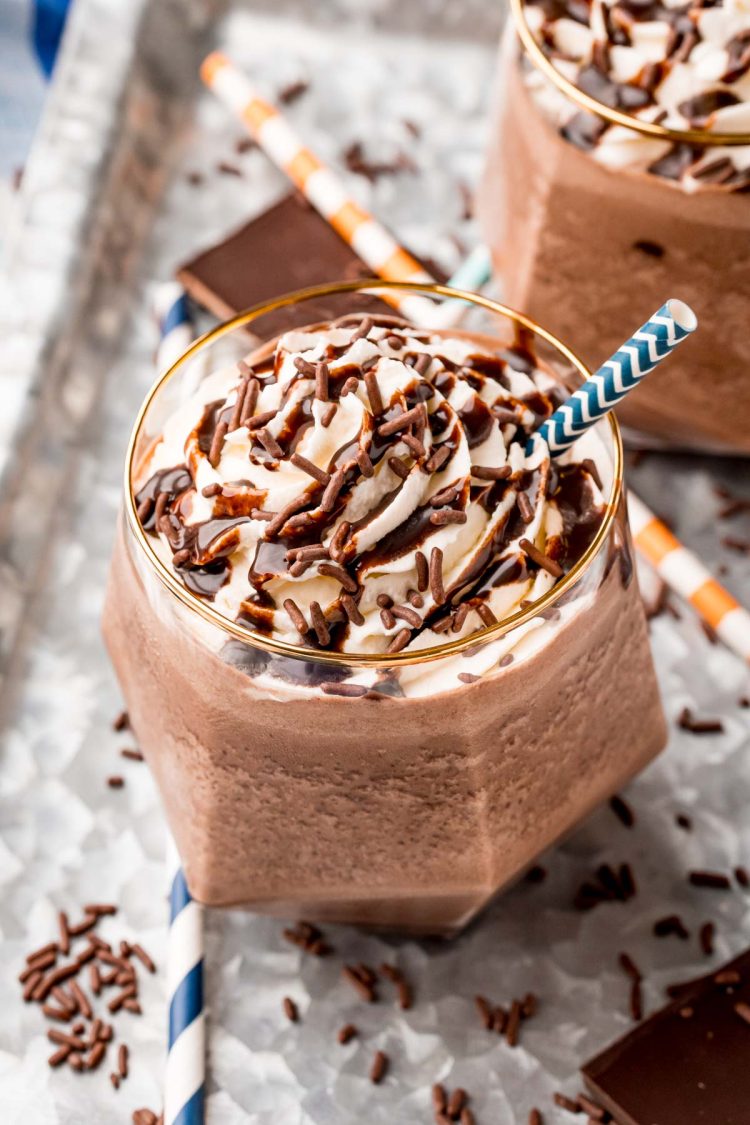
(202, 551)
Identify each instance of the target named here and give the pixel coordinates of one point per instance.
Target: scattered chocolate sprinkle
(379, 1067)
(270, 444)
(459, 617)
(683, 821)
(349, 387)
(350, 691)
(309, 468)
(81, 1000)
(436, 576)
(143, 957)
(290, 1010)
(487, 472)
(228, 169)
(688, 722)
(95, 1056)
(62, 923)
(566, 1103)
(672, 924)
(439, 1098)
(131, 754)
(535, 1117)
(423, 571)
(333, 570)
(468, 678)
(706, 938)
(446, 516)
(259, 420)
(727, 978)
(628, 964)
(327, 414)
(742, 876)
(524, 507)
(122, 1060)
(59, 1056)
(537, 556)
(485, 1011)
(622, 811)
(653, 249)
(53, 1013)
(116, 781)
(514, 1023)
(535, 874)
(399, 467)
(713, 880)
(319, 624)
(373, 392)
(414, 444)
(405, 613)
(346, 1033)
(121, 723)
(351, 609)
(595, 1111)
(467, 1117)
(438, 459)
(304, 367)
(399, 641)
(742, 1008)
(456, 1102)
(293, 91)
(402, 421)
(733, 543)
(214, 453)
(365, 989)
(332, 489)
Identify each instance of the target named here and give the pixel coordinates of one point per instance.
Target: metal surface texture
(109, 206)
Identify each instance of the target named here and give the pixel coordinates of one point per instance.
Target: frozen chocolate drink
(602, 192)
(377, 654)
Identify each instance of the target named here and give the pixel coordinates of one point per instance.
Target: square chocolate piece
(688, 1064)
(289, 246)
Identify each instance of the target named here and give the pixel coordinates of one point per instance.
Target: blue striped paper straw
(176, 328)
(644, 351)
(474, 272)
(185, 1077)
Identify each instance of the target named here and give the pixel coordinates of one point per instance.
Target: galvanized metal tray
(108, 207)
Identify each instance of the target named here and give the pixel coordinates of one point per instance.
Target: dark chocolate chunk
(687, 1062)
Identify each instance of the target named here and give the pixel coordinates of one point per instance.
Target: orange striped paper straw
(689, 578)
(319, 184)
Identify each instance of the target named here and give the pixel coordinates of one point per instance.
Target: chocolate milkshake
(591, 221)
(377, 654)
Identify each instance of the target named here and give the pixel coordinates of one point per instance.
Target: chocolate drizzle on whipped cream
(682, 65)
(409, 511)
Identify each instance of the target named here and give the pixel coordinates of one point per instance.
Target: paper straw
(639, 355)
(185, 1077)
(474, 272)
(176, 328)
(319, 184)
(689, 578)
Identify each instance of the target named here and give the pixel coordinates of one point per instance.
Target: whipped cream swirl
(365, 487)
(684, 66)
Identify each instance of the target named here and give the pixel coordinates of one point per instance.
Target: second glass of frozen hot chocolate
(377, 653)
(604, 189)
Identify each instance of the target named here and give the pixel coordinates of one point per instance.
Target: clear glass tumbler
(591, 250)
(410, 806)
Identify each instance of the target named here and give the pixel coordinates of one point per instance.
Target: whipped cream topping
(365, 488)
(684, 66)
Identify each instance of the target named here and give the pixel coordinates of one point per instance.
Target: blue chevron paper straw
(185, 1078)
(644, 351)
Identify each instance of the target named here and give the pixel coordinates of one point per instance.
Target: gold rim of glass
(533, 49)
(370, 660)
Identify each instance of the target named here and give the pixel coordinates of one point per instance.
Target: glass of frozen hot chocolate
(620, 164)
(377, 654)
